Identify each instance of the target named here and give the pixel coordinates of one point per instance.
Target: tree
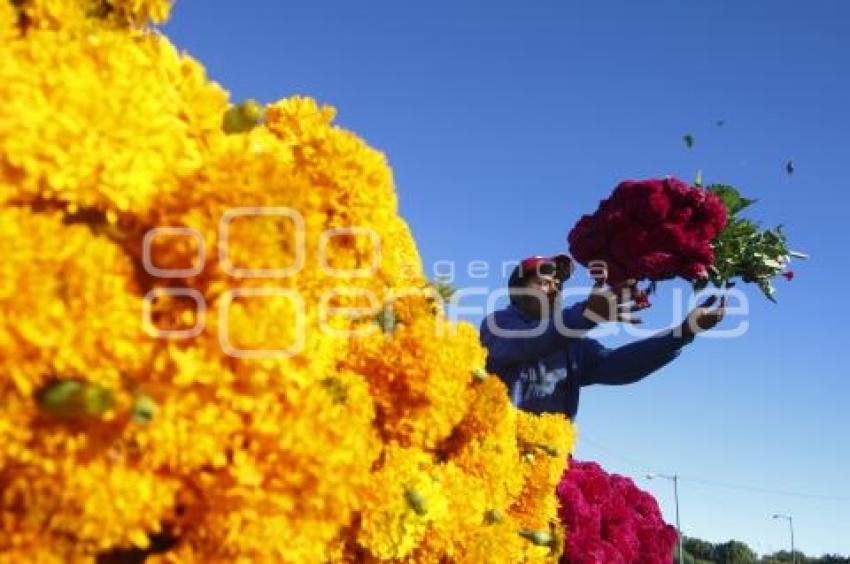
(734, 552)
(833, 559)
(699, 549)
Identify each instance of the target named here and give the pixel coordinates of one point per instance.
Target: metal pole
(790, 520)
(678, 524)
(791, 526)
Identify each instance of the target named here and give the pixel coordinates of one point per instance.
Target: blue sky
(505, 121)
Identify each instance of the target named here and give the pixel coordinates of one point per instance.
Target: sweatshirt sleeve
(631, 362)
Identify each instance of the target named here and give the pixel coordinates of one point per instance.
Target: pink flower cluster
(608, 520)
(651, 229)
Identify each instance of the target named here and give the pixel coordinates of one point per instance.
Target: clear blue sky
(505, 121)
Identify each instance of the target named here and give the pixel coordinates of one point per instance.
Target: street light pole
(790, 520)
(675, 479)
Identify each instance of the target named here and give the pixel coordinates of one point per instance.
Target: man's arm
(632, 362)
(502, 335)
(629, 363)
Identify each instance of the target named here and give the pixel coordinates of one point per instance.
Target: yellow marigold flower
(55, 13)
(291, 475)
(68, 308)
(466, 513)
(98, 505)
(176, 317)
(544, 441)
(39, 553)
(8, 21)
(548, 433)
(485, 445)
(180, 554)
(420, 377)
(404, 500)
(64, 14)
(498, 543)
(138, 12)
(68, 155)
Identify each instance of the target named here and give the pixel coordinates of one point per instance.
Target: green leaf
(443, 288)
(730, 197)
(540, 538)
(335, 388)
(386, 320)
(242, 117)
(416, 501)
(767, 289)
(75, 399)
(493, 516)
(480, 374)
(144, 409)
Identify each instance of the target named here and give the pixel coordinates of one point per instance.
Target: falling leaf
(789, 167)
(721, 122)
(689, 140)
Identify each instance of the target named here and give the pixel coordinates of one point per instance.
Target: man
(539, 351)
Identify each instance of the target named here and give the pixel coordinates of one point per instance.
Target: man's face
(542, 295)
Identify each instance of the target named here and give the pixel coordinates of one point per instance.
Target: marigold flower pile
(651, 229)
(609, 519)
(117, 436)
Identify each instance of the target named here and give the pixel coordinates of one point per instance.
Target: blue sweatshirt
(545, 372)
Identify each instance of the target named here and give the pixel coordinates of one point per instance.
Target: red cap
(560, 265)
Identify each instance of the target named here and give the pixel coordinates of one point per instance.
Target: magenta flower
(609, 520)
(651, 229)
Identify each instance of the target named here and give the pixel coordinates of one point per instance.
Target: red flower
(651, 229)
(680, 215)
(609, 520)
(658, 265)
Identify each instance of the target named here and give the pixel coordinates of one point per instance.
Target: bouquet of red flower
(651, 229)
(663, 228)
(609, 520)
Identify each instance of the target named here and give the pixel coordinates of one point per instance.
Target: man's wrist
(686, 331)
(576, 317)
(590, 316)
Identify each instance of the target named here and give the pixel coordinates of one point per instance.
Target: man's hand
(703, 317)
(611, 303)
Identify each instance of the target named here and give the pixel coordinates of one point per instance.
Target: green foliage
(745, 251)
(698, 551)
(387, 320)
(734, 552)
(442, 293)
(144, 409)
(242, 117)
(443, 288)
(75, 399)
(731, 198)
(699, 548)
